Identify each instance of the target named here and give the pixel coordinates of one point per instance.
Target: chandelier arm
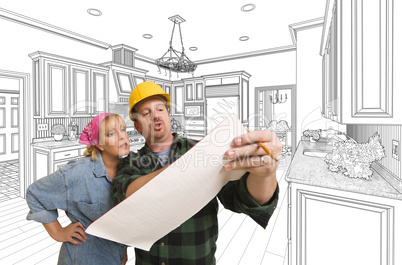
(181, 39)
(171, 37)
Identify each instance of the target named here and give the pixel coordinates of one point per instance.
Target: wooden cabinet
(65, 87)
(358, 63)
(48, 158)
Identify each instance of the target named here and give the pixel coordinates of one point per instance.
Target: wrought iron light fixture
(174, 60)
(276, 99)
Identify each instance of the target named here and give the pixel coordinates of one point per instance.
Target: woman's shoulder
(82, 164)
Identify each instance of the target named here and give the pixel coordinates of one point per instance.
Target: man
(255, 193)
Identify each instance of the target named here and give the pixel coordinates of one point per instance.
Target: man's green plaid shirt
(193, 242)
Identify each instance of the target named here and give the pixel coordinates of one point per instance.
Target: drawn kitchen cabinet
(41, 163)
(100, 89)
(177, 98)
(341, 227)
(88, 91)
(80, 93)
(56, 86)
(359, 62)
(194, 89)
(48, 158)
(226, 93)
(68, 87)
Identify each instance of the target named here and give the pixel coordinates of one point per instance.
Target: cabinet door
(178, 100)
(40, 164)
(244, 101)
(189, 92)
(80, 91)
(199, 91)
(329, 229)
(366, 54)
(56, 88)
(100, 92)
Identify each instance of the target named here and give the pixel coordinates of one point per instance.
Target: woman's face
(113, 137)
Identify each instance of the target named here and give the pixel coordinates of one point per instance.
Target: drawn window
(14, 101)
(2, 100)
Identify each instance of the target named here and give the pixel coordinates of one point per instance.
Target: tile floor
(9, 180)
(241, 240)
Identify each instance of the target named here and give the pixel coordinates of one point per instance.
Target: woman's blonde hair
(92, 151)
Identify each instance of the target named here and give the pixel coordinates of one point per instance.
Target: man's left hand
(246, 154)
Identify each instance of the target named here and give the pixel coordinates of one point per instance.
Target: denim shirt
(84, 191)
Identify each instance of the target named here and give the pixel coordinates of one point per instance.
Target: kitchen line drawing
(326, 72)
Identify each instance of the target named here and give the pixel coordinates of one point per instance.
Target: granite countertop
(314, 171)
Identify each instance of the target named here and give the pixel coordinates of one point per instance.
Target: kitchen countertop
(52, 144)
(135, 141)
(314, 171)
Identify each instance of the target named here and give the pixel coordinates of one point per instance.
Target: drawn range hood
(123, 75)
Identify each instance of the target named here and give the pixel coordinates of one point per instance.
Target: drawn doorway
(275, 111)
(13, 134)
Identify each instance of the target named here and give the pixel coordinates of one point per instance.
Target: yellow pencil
(269, 152)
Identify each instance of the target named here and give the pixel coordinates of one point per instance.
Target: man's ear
(136, 126)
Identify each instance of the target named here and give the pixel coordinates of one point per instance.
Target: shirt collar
(98, 167)
(178, 142)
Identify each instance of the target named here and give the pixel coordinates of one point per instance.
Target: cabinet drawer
(195, 123)
(197, 128)
(66, 154)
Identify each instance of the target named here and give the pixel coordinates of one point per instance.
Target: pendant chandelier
(173, 60)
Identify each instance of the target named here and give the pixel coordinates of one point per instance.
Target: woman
(83, 189)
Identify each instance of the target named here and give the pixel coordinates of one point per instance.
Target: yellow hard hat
(145, 90)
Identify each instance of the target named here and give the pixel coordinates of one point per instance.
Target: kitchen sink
(315, 153)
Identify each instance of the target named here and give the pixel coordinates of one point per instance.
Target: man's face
(153, 121)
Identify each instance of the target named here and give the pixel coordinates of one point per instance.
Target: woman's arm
(68, 233)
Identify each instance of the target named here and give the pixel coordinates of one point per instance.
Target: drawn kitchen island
(337, 219)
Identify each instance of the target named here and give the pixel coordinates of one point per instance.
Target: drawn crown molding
(18, 18)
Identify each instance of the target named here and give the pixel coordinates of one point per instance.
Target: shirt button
(163, 244)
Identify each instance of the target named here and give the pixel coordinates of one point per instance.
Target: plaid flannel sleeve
(235, 197)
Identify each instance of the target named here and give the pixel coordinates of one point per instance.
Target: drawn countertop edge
(51, 144)
(314, 171)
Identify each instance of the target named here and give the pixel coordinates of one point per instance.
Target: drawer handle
(67, 154)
